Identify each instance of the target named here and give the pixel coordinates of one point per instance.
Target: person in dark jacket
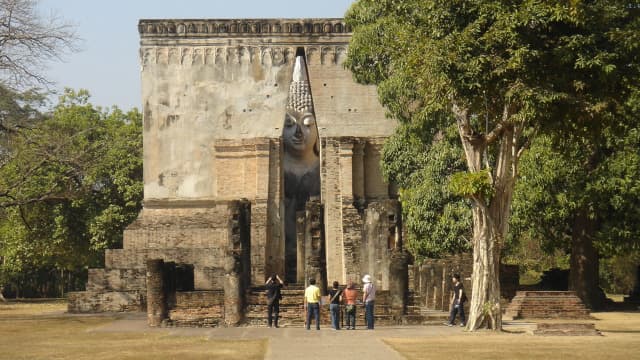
(335, 295)
(274, 295)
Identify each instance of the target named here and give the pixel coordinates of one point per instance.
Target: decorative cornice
(241, 27)
(241, 54)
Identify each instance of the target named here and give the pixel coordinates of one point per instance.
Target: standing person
(312, 303)
(335, 295)
(274, 295)
(457, 302)
(350, 296)
(368, 298)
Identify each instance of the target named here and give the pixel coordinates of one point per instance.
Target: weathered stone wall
(197, 309)
(201, 86)
(214, 95)
(352, 184)
(116, 279)
(380, 239)
(106, 301)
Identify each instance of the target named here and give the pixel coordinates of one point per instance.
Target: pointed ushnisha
(300, 91)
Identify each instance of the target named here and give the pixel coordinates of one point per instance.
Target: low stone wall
(431, 285)
(106, 301)
(197, 309)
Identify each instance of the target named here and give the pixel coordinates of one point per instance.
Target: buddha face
(300, 133)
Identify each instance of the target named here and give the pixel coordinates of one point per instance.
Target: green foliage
(438, 222)
(618, 273)
(72, 183)
(559, 179)
(470, 185)
(561, 66)
(566, 69)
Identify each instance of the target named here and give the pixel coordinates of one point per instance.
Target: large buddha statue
(301, 158)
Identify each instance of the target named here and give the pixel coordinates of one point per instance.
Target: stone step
(546, 304)
(566, 329)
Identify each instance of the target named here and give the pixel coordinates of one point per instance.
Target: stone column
(156, 297)
(300, 256)
(358, 174)
(236, 263)
(398, 282)
(232, 291)
(314, 245)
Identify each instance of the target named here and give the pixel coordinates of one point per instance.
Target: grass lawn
(39, 331)
(621, 340)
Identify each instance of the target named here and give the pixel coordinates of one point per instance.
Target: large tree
(504, 71)
(28, 41)
(71, 184)
(582, 197)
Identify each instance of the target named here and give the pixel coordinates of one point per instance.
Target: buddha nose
(298, 130)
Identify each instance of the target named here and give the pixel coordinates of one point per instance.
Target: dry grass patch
(32, 307)
(510, 346)
(621, 340)
(24, 335)
(618, 322)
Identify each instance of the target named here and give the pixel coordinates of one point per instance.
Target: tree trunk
(485, 310)
(490, 217)
(584, 274)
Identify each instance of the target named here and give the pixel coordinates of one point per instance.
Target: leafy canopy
(71, 183)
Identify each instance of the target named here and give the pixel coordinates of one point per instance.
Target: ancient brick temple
(217, 100)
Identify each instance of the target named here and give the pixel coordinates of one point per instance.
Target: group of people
(349, 297)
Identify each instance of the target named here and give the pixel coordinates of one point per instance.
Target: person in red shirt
(350, 296)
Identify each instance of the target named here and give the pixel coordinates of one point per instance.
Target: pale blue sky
(107, 65)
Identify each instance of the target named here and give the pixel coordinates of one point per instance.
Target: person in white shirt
(368, 298)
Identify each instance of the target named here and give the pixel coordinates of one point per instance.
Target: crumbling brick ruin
(221, 100)
(212, 228)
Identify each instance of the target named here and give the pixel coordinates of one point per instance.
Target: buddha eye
(289, 121)
(308, 120)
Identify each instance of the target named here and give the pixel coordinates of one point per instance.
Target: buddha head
(300, 134)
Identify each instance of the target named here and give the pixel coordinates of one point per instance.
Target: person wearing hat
(368, 298)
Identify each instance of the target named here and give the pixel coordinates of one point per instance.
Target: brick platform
(566, 329)
(546, 305)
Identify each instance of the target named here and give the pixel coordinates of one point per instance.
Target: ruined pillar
(237, 263)
(314, 245)
(398, 281)
(156, 297)
(300, 257)
(358, 174)
(232, 292)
